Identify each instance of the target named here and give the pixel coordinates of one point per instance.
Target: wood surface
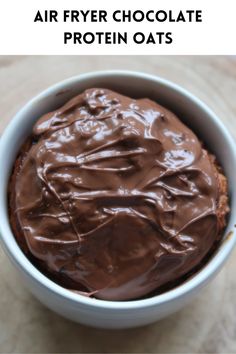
(208, 324)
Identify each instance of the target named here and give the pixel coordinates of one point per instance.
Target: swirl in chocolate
(116, 195)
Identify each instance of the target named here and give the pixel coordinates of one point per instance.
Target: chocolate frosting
(116, 195)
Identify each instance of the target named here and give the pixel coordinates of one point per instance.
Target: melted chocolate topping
(117, 195)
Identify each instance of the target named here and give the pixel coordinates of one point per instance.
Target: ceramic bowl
(111, 314)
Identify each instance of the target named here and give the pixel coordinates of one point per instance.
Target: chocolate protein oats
(115, 197)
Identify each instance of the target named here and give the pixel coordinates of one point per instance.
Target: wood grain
(208, 324)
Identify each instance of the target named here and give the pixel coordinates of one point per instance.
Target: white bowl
(110, 314)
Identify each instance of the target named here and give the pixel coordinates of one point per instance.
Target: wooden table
(207, 325)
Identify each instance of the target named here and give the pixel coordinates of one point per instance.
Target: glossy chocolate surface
(116, 195)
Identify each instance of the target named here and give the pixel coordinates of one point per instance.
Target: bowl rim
(21, 261)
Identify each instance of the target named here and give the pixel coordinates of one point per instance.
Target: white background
(215, 35)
